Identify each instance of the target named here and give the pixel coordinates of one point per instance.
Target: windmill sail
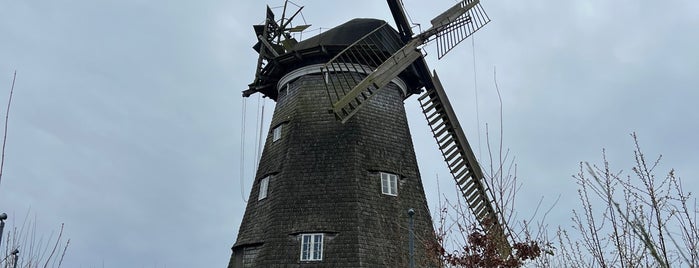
(455, 26)
(366, 57)
(451, 27)
(462, 162)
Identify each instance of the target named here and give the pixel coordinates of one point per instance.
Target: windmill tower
(338, 172)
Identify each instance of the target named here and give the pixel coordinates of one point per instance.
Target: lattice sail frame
(451, 27)
(348, 69)
(462, 163)
(456, 29)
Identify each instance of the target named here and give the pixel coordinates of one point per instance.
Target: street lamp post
(3, 217)
(411, 237)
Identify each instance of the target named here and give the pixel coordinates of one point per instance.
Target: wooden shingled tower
(338, 174)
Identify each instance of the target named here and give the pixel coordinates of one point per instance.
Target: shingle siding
(326, 180)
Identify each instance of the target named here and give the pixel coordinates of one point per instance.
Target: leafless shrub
(462, 243)
(634, 220)
(22, 247)
(34, 250)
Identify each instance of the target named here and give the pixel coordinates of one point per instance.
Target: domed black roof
(343, 35)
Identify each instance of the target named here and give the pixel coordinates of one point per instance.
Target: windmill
(338, 171)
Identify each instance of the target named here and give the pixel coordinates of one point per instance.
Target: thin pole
(7, 116)
(411, 237)
(3, 217)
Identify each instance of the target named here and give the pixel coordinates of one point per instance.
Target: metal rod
(3, 217)
(411, 237)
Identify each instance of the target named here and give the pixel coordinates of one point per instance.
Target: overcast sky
(126, 118)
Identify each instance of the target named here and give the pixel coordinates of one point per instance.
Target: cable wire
(260, 124)
(475, 89)
(242, 150)
(410, 19)
(260, 140)
(257, 126)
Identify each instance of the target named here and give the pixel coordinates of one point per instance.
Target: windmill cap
(321, 48)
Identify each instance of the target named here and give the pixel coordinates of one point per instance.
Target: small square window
(264, 184)
(277, 133)
(312, 247)
(389, 184)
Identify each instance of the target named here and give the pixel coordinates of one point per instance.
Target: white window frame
(312, 247)
(277, 133)
(264, 188)
(389, 184)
